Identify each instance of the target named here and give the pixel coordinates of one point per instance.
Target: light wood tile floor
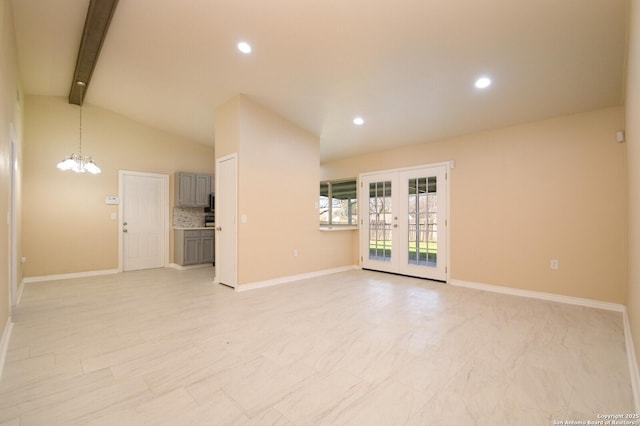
(167, 347)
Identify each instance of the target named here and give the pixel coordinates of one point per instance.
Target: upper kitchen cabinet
(192, 190)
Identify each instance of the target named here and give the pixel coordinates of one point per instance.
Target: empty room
(337, 212)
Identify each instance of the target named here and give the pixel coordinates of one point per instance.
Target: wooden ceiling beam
(95, 30)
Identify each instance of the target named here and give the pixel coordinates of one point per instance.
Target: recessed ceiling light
(358, 121)
(483, 82)
(244, 47)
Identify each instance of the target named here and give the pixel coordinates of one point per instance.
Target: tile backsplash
(188, 217)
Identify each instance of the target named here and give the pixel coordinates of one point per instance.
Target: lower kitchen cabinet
(194, 246)
(207, 246)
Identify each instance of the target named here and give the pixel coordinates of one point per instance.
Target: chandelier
(77, 162)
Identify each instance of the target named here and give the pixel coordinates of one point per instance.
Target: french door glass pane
(423, 221)
(380, 221)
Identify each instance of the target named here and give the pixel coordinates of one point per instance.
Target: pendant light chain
(80, 139)
(78, 162)
(82, 85)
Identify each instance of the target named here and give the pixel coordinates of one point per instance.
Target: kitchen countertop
(194, 228)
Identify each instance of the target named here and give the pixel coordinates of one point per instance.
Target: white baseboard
(68, 276)
(633, 361)
(185, 268)
(4, 344)
(541, 295)
(292, 278)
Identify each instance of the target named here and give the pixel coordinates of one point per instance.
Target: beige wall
(227, 127)
(10, 117)
(66, 224)
(523, 195)
(278, 176)
(633, 166)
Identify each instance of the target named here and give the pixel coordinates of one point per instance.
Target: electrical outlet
(554, 264)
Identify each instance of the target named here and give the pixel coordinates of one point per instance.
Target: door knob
(124, 230)
(124, 223)
(219, 228)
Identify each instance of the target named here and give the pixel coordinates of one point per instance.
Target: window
(338, 203)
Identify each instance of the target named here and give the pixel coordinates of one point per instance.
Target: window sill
(332, 228)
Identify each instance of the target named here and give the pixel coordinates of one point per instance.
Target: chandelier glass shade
(77, 162)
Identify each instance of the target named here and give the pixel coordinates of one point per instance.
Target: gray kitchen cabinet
(191, 250)
(207, 246)
(194, 246)
(192, 190)
(203, 189)
(184, 184)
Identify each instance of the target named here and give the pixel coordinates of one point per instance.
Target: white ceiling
(406, 66)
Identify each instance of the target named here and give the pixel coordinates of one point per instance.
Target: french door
(404, 219)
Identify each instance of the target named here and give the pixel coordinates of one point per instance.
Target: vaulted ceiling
(407, 67)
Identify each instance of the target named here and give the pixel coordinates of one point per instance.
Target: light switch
(243, 218)
(114, 216)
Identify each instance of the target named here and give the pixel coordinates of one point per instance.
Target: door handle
(125, 230)
(124, 223)
(219, 228)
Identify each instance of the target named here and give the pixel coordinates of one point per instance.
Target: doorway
(226, 224)
(405, 220)
(144, 225)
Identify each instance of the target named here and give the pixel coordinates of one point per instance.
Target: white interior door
(404, 222)
(144, 220)
(226, 225)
